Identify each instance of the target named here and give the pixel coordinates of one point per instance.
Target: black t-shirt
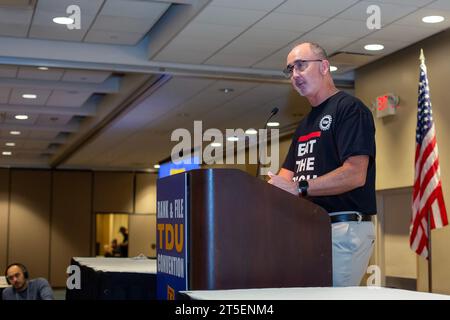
(340, 127)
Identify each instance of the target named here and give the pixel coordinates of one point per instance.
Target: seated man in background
(24, 289)
(113, 250)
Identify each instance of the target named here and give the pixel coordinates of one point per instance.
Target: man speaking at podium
(331, 161)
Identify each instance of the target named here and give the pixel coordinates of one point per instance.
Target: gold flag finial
(422, 57)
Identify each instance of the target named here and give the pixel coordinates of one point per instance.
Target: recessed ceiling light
(333, 68)
(21, 117)
(233, 139)
(273, 124)
(156, 166)
(251, 131)
(43, 68)
(374, 47)
(226, 90)
(10, 144)
(63, 20)
(433, 19)
(216, 144)
(7, 153)
(15, 133)
(29, 96)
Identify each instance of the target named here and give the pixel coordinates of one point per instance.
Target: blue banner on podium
(171, 236)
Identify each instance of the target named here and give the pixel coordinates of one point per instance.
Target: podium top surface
(315, 293)
(118, 264)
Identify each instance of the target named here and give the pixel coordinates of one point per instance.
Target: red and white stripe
(427, 194)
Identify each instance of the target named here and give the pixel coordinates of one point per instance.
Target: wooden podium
(237, 231)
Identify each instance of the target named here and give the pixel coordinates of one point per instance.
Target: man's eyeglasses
(298, 65)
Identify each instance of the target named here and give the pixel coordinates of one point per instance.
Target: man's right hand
(282, 183)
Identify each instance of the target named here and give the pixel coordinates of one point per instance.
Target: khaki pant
(352, 246)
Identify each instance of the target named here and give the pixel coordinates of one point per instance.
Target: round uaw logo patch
(325, 122)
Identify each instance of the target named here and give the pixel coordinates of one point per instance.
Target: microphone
(272, 113)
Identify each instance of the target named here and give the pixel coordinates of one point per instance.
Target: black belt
(350, 217)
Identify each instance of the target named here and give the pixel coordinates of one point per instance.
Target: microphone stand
(272, 113)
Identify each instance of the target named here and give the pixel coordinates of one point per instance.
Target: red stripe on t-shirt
(315, 134)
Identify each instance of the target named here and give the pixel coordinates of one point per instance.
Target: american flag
(427, 192)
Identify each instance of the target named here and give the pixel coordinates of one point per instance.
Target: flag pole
(430, 279)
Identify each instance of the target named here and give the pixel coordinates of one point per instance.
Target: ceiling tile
(8, 71)
(339, 27)
(389, 47)
(4, 134)
(409, 34)
(43, 26)
(113, 37)
(149, 112)
(229, 16)
(68, 98)
(10, 118)
(125, 23)
(196, 44)
(290, 22)
(61, 5)
(315, 8)
(15, 16)
(415, 19)
(257, 51)
(35, 144)
(13, 29)
(85, 76)
(256, 39)
(35, 73)
(48, 135)
(44, 17)
(14, 21)
(274, 38)
(134, 9)
(122, 24)
(389, 12)
(53, 120)
(234, 60)
(266, 5)
(260, 94)
(56, 32)
(276, 61)
(31, 157)
(183, 51)
(19, 143)
(213, 97)
(16, 96)
(417, 3)
(180, 55)
(440, 4)
(207, 30)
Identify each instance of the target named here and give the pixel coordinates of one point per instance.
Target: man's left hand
(282, 183)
